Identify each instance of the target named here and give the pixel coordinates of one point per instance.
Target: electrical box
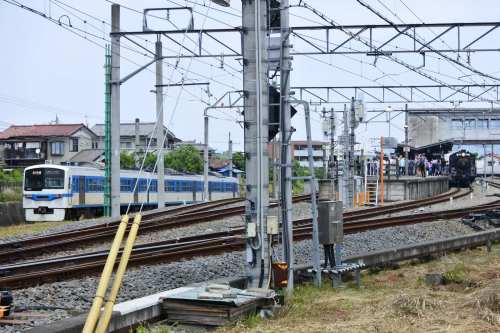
(330, 222)
(251, 230)
(272, 225)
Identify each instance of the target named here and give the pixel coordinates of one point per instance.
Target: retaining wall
(11, 213)
(414, 188)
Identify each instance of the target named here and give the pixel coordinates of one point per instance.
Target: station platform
(413, 187)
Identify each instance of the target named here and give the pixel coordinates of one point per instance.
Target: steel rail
(42, 245)
(32, 273)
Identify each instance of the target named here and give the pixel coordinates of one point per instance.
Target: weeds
(456, 274)
(145, 329)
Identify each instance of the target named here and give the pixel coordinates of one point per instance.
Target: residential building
(26, 145)
(135, 136)
(300, 154)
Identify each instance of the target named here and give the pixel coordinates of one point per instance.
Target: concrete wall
(413, 188)
(425, 130)
(11, 213)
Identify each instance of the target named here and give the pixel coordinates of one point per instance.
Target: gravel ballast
(75, 296)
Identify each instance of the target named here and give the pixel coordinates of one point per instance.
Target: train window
(482, 123)
(456, 123)
(186, 186)
(126, 185)
(75, 184)
(33, 180)
(54, 178)
(94, 184)
(44, 178)
(470, 123)
(495, 123)
(170, 186)
(153, 187)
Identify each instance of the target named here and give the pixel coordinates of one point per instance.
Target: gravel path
(76, 295)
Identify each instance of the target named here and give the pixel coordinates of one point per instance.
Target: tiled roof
(128, 129)
(16, 131)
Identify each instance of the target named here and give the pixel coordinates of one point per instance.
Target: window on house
(95, 145)
(57, 148)
(74, 144)
(456, 123)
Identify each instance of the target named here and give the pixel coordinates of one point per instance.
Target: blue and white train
(58, 192)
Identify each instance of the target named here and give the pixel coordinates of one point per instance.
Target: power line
(470, 68)
(391, 57)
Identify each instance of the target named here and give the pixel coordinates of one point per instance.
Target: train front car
(45, 193)
(462, 168)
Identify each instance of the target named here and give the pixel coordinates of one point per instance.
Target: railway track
(493, 184)
(42, 271)
(177, 217)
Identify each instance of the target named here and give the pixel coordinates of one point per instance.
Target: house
(135, 136)
(25, 145)
(300, 154)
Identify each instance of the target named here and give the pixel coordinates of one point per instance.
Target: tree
(239, 160)
(185, 159)
(127, 161)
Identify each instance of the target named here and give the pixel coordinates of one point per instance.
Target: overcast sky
(48, 71)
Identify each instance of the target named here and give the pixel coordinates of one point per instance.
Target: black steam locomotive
(462, 167)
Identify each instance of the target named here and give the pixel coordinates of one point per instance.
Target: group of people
(418, 166)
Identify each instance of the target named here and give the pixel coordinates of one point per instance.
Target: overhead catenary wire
(391, 57)
(468, 67)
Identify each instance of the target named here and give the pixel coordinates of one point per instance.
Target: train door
(81, 190)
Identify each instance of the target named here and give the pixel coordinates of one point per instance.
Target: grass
(30, 228)
(10, 196)
(147, 329)
(397, 300)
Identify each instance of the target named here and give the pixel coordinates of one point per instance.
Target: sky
(48, 71)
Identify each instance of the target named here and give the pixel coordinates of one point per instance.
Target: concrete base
(414, 188)
(131, 313)
(11, 213)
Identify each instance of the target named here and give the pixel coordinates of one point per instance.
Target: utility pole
(107, 133)
(333, 164)
(286, 133)
(256, 103)
(346, 163)
(115, 112)
(407, 147)
(492, 162)
(230, 150)
(205, 157)
(350, 155)
(160, 129)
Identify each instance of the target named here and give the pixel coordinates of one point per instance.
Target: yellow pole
(117, 282)
(105, 276)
